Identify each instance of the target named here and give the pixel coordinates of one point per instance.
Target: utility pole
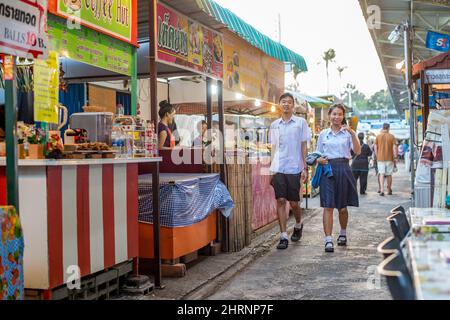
(408, 78)
(279, 27)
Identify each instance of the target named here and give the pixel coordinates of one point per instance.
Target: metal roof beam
(421, 18)
(420, 38)
(446, 23)
(392, 57)
(416, 47)
(437, 3)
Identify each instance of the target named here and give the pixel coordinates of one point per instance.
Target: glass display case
(134, 129)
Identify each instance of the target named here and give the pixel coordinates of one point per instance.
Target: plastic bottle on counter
(150, 145)
(154, 142)
(147, 139)
(128, 145)
(117, 140)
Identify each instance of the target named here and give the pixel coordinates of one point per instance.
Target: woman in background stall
(166, 114)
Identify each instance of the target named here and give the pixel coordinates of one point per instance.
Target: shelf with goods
(432, 187)
(140, 137)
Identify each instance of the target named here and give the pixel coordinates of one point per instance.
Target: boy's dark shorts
(287, 186)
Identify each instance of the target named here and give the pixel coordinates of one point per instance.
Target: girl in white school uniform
(339, 191)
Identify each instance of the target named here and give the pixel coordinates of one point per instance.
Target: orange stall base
(177, 241)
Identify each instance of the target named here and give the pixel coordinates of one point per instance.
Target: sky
(310, 27)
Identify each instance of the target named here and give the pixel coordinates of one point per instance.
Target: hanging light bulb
(273, 109)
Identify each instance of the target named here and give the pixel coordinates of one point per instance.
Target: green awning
(313, 101)
(251, 35)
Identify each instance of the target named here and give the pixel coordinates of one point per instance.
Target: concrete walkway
(305, 271)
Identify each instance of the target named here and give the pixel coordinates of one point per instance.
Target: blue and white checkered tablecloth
(185, 199)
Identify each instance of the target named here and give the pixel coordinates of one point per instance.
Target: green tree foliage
(380, 100)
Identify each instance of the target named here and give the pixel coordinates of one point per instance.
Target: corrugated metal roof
(425, 15)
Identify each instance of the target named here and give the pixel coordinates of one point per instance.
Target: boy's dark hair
(286, 95)
(164, 108)
(386, 126)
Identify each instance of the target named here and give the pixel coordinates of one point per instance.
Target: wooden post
(221, 128)
(223, 222)
(154, 119)
(11, 139)
(425, 102)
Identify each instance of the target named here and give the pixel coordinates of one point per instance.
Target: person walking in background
(401, 151)
(339, 190)
(360, 164)
(288, 137)
(386, 153)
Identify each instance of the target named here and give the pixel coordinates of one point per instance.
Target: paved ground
(305, 271)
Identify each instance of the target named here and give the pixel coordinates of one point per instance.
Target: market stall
(79, 200)
(253, 81)
(201, 55)
(432, 174)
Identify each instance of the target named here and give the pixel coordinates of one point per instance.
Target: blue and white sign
(438, 41)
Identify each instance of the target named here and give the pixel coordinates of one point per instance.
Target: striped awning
(313, 101)
(251, 35)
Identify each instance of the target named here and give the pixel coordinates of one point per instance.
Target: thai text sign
(251, 72)
(437, 76)
(45, 87)
(185, 43)
(22, 28)
(91, 47)
(116, 18)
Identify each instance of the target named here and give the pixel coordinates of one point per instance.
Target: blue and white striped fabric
(185, 199)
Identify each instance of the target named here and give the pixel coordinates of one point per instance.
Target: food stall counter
(76, 214)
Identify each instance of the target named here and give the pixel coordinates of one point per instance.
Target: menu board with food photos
(188, 44)
(250, 71)
(89, 46)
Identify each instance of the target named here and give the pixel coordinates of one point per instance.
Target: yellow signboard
(46, 83)
(251, 72)
(418, 114)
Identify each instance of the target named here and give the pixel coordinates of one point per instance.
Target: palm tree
(296, 71)
(328, 57)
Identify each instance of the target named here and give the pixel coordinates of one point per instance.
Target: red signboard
(22, 28)
(185, 43)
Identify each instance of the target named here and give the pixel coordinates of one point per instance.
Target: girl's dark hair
(164, 108)
(336, 105)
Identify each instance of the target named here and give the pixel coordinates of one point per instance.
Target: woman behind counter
(339, 191)
(166, 114)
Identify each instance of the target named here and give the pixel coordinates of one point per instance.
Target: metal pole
(154, 115)
(11, 140)
(134, 83)
(209, 117)
(223, 222)
(408, 79)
